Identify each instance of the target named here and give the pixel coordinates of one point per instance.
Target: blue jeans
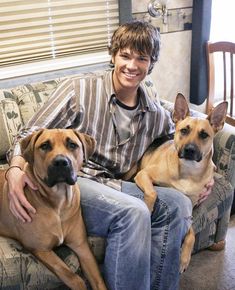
(143, 250)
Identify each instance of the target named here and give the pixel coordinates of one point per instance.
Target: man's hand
(206, 191)
(19, 206)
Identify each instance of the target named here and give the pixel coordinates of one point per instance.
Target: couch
(21, 270)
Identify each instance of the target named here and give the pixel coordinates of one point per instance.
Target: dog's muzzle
(190, 152)
(60, 170)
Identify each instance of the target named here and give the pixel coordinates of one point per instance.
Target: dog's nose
(191, 152)
(60, 161)
(189, 149)
(60, 170)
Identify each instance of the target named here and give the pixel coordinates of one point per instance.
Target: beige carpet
(212, 270)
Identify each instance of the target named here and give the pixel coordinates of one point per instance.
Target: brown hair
(139, 36)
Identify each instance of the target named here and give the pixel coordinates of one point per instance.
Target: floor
(212, 270)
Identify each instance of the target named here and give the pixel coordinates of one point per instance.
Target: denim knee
(175, 207)
(136, 214)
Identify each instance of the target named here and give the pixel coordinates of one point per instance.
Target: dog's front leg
(187, 248)
(76, 239)
(60, 269)
(145, 183)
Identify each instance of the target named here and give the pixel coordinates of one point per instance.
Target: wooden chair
(227, 50)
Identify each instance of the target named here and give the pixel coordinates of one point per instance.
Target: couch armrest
(224, 153)
(224, 146)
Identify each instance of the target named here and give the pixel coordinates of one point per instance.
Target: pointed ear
(88, 144)
(181, 109)
(217, 116)
(27, 146)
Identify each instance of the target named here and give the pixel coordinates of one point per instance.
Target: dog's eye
(203, 135)
(72, 145)
(45, 146)
(184, 131)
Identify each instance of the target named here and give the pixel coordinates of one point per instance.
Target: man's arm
(17, 180)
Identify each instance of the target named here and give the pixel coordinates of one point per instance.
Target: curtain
(200, 35)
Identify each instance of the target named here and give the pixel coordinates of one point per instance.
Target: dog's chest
(46, 233)
(188, 168)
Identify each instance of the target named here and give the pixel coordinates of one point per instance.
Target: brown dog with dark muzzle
(184, 163)
(54, 158)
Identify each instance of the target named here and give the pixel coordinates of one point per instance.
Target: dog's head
(56, 155)
(194, 136)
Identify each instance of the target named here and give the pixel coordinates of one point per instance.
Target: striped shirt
(88, 103)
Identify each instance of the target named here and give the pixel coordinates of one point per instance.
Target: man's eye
(143, 58)
(125, 56)
(203, 135)
(45, 146)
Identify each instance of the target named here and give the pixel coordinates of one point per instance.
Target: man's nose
(132, 64)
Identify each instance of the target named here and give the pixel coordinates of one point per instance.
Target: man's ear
(181, 109)
(88, 144)
(217, 116)
(27, 146)
(112, 61)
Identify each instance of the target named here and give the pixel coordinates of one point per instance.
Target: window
(222, 20)
(222, 29)
(50, 33)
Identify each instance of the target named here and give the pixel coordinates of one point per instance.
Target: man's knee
(175, 201)
(174, 209)
(138, 212)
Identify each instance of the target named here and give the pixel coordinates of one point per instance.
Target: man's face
(130, 68)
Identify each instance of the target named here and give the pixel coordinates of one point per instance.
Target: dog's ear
(181, 109)
(27, 146)
(88, 144)
(217, 116)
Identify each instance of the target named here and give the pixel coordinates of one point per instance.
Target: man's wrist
(9, 168)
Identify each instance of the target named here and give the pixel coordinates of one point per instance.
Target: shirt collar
(146, 102)
(109, 89)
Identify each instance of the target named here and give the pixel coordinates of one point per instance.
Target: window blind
(49, 29)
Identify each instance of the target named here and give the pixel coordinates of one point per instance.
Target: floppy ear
(217, 116)
(88, 144)
(181, 109)
(27, 146)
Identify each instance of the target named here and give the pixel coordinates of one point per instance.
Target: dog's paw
(184, 262)
(150, 201)
(149, 205)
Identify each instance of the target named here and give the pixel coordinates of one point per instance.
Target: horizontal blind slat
(52, 28)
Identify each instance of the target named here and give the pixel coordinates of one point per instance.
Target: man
(121, 112)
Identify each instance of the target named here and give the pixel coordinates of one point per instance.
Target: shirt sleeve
(58, 112)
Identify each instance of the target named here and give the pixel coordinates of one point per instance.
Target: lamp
(158, 8)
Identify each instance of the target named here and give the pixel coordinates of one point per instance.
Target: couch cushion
(224, 155)
(21, 270)
(10, 123)
(18, 105)
(31, 97)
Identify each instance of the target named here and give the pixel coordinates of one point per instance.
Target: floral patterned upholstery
(17, 106)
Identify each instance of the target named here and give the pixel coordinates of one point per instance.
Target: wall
(172, 72)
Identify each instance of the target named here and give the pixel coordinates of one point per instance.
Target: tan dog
(54, 158)
(184, 163)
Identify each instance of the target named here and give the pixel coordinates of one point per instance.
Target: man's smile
(130, 75)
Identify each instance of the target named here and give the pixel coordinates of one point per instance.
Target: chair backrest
(227, 49)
